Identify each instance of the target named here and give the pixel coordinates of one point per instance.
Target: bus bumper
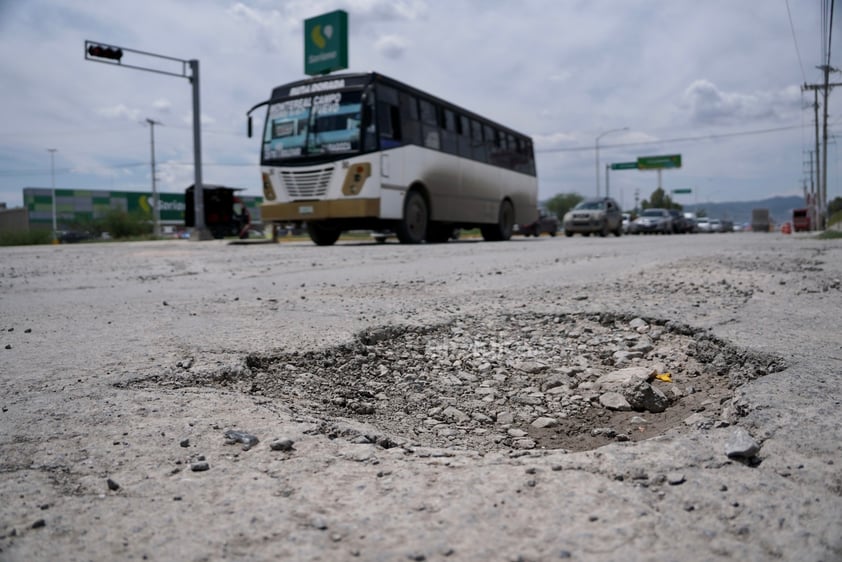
(320, 210)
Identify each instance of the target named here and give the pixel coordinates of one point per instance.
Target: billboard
(75, 206)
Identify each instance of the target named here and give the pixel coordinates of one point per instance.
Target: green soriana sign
(326, 43)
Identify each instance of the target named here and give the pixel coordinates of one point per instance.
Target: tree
(835, 206)
(660, 200)
(561, 203)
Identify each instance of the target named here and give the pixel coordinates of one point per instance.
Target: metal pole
(823, 194)
(199, 232)
(52, 152)
(156, 223)
(596, 152)
(607, 185)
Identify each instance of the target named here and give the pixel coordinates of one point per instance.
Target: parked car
(653, 221)
(716, 225)
(546, 222)
(690, 219)
(626, 222)
(680, 225)
(594, 216)
(71, 236)
(703, 224)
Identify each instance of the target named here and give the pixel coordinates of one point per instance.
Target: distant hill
(740, 211)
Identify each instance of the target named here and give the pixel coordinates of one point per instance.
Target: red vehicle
(801, 220)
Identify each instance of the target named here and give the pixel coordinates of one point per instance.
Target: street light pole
(156, 228)
(596, 152)
(52, 152)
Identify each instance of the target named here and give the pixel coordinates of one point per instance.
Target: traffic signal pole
(112, 54)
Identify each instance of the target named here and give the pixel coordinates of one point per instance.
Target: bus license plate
(305, 210)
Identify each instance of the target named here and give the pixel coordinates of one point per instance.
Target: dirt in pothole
(504, 382)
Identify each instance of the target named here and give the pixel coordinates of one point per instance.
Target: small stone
(39, 523)
(112, 485)
(614, 401)
(455, 415)
(184, 443)
(638, 323)
(248, 440)
(675, 478)
(200, 466)
(741, 445)
(8, 346)
(282, 445)
(544, 422)
(524, 444)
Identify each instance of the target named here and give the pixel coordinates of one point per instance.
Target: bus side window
(388, 119)
(492, 142)
(449, 138)
(430, 124)
(464, 130)
(410, 126)
(479, 151)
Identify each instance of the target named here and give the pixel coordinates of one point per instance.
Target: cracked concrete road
(79, 324)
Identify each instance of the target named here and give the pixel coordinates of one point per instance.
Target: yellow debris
(665, 377)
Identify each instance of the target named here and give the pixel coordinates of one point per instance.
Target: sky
(717, 81)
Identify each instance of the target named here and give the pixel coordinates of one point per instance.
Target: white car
(703, 224)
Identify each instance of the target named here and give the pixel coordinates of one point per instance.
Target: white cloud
(391, 46)
(120, 111)
(162, 105)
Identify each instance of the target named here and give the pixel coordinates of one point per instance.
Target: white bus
(366, 152)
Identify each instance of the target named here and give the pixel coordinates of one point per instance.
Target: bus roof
(358, 80)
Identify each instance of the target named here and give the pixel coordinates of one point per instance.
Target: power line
(795, 40)
(678, 139)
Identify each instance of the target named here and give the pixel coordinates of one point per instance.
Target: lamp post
(156, 220)
(596, 151)
(52, 152)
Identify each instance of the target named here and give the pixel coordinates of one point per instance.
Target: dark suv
(546, 223)
(598, 216)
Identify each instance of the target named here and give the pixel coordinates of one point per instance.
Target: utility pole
(52, 152)
(821, 157)
(156, 219)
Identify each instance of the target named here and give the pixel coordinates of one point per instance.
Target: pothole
(526, 381)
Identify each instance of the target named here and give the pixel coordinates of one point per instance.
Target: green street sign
(678, 191)
(658, 162)
(326, 43)
(624, 166)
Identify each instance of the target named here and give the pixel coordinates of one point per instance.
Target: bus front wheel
(504, 227)
(412, 229)
(323, 235)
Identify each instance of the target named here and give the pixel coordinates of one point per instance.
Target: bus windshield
(324, 123)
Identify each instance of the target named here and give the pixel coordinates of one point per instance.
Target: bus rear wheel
(323, 235)
(504, 227)
(412, 229)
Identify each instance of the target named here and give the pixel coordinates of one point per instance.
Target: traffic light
(103, 52)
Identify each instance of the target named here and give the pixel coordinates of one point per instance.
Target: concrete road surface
(123, 365)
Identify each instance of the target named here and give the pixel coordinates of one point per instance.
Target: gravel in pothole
(526, 381)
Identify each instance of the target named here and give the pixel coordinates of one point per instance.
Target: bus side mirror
(249, 126)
